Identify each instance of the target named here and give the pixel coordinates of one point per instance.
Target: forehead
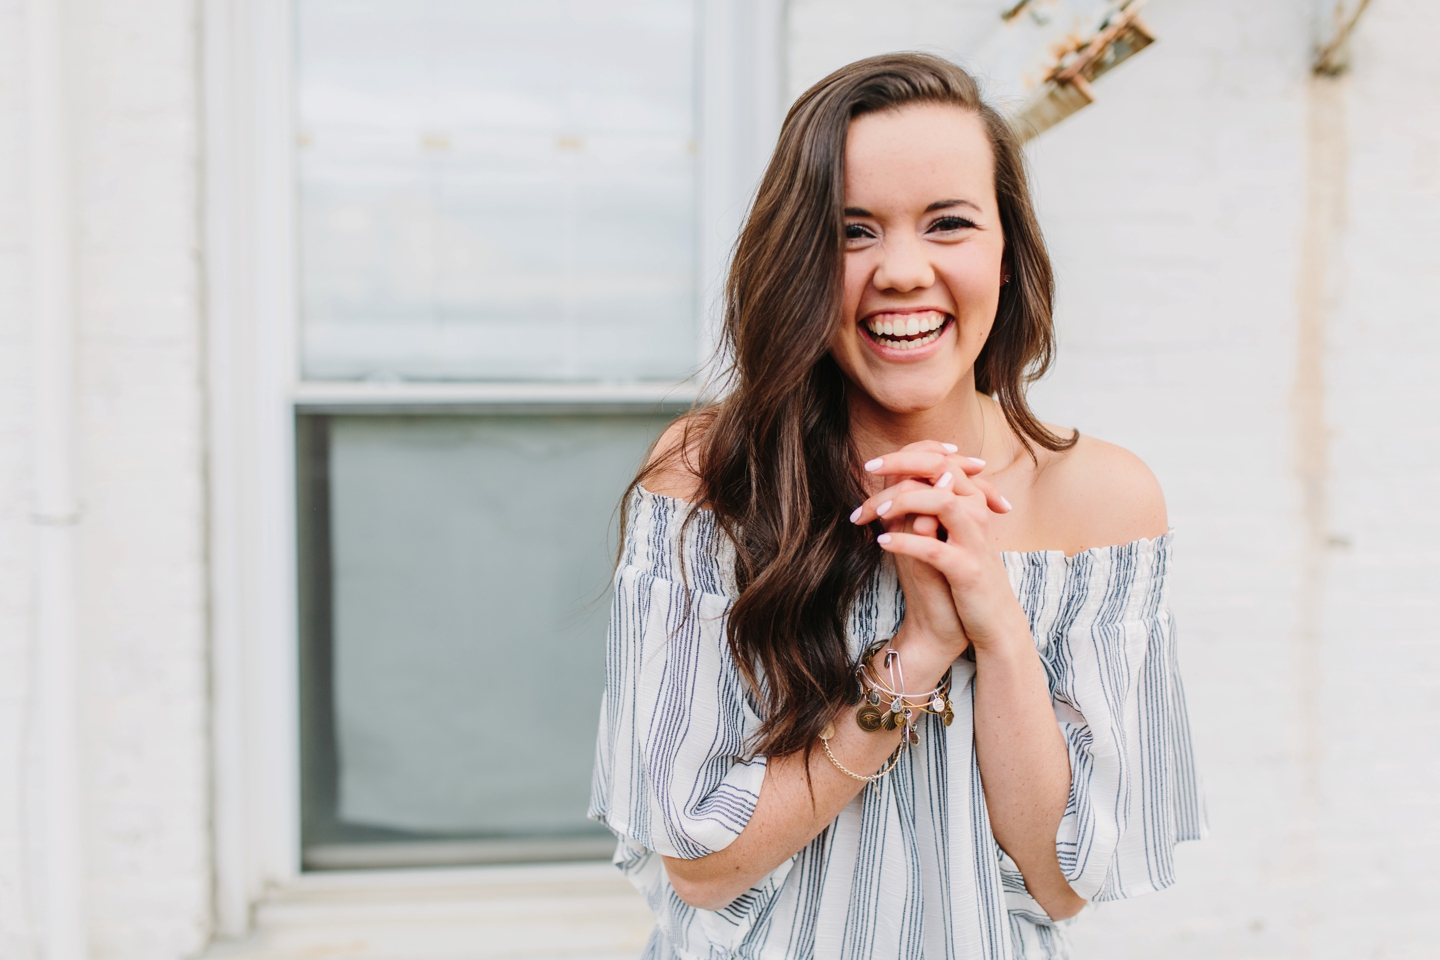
(917, 154)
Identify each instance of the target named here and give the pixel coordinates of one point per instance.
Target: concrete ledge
(538, 912)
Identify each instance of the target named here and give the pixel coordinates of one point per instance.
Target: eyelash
(856, 231)
(952, 223)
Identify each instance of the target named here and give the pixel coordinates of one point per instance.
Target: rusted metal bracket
(1046, 53)
(1334, 22)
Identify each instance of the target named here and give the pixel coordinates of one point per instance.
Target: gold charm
(869, 718)
(948, 716)
(889, 722)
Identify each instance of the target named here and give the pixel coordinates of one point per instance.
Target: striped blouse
(909, 869)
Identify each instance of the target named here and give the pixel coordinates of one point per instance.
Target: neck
(959, 419)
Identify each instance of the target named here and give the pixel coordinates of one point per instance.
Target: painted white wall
(1177, 212)
(15, 541)
(131, 74)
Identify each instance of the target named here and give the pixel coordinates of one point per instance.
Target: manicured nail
(976, 460)
(880, 510)
(874, 465)
(856, 515)
(883, 538)
(944, 480)
(1008, 508)
(950, 448)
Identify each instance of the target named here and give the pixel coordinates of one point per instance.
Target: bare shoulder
(671, 468)
(1097, 494)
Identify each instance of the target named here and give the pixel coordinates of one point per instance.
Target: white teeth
(929, 323)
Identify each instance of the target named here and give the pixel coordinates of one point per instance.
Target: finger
(923, 463)
(919, 500)
(993, 499)
(869, 511)
(975, 486)
(924, 526)
(956, 514)
(925, 549)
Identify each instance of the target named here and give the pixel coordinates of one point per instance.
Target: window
(506, 220)
(498, 190)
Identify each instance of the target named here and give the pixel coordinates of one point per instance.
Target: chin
(910, 398)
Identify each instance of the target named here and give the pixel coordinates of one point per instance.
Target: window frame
(255, 390)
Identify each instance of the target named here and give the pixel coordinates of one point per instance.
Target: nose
(903, 266)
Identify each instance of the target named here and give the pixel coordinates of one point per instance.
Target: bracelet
(829, 732)
(902, 711)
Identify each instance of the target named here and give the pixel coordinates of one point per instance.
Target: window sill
(582, 910)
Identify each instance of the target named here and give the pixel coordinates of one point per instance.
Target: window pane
(497, 190)
(467, 561)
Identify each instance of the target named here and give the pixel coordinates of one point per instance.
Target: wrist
(1004, 635)
(925, 659)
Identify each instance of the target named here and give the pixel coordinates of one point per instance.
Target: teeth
(928, 323)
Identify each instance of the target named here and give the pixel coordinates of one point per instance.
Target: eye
(951, 224)
(857, 231)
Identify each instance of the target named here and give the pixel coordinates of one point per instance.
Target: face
(924, 255)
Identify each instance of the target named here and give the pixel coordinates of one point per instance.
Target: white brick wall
(1176, 211)
(15, 581)
(132, 75)
(142, 574)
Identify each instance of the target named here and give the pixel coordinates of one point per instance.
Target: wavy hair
(774, 459)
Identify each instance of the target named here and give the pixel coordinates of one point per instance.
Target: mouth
(906, 331)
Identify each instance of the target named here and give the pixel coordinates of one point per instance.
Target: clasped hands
(938, 515)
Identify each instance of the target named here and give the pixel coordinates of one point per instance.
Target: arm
(1024, 764)
(787, 816)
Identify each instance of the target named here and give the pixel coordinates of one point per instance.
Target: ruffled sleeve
(1103, 626)
(671, 770)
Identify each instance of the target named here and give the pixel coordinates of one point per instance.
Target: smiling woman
(890, 664)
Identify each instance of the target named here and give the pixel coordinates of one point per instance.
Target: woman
(890, 668)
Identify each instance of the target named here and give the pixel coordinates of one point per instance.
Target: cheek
(857, 275)
(975, 284)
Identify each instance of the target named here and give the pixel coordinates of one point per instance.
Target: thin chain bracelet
(829, 732)
(899, 712)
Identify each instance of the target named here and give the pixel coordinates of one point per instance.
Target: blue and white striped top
(910, 868)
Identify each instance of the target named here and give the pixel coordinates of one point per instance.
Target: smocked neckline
(1144, 546)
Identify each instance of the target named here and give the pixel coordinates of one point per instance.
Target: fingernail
(856, 515)
(874, 465)
(1008, 508)
(976, 460)
(883, 538)
(883, 507)
(944, 480)
(950, 448)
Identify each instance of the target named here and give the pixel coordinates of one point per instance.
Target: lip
(915, 355)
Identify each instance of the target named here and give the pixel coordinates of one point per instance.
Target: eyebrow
(937, 205)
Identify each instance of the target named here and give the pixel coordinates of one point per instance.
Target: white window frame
(255, 390)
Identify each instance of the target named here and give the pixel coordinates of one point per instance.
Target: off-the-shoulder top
(910, 868)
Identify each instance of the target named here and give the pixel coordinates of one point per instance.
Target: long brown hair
(774, 460)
